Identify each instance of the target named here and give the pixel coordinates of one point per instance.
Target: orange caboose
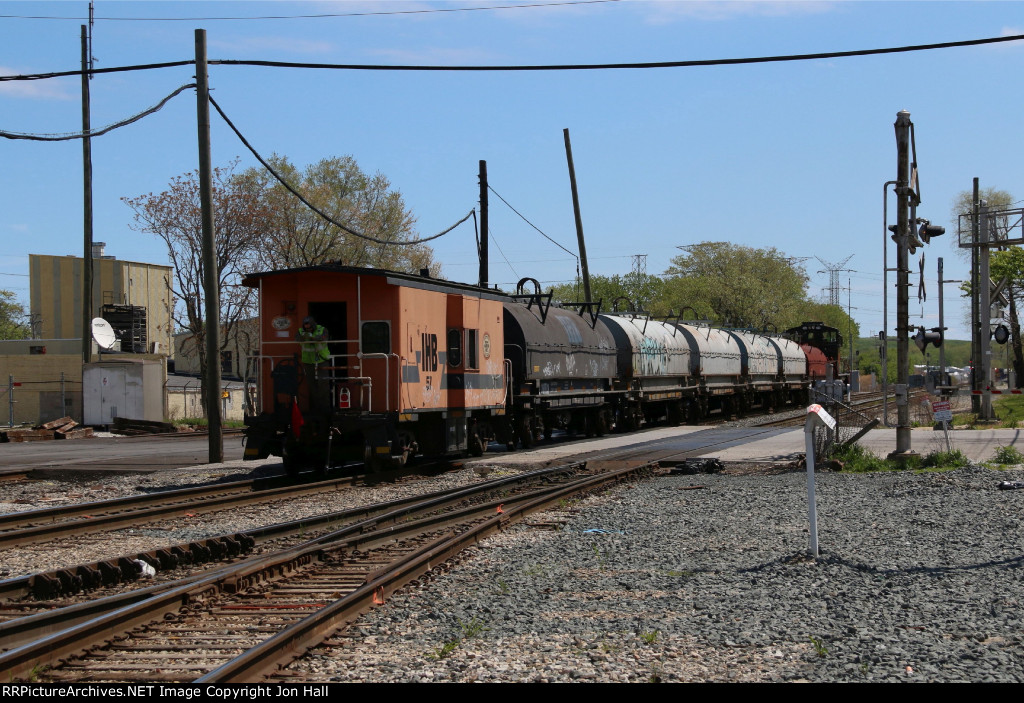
(413, 365)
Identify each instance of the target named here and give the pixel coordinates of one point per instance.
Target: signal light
(929, 230)
(922, 339)
(1001, 334)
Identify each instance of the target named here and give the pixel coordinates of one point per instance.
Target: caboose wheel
(292, 459)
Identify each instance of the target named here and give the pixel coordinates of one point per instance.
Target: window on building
(225, 362)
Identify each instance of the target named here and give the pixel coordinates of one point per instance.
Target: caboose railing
(336, 381)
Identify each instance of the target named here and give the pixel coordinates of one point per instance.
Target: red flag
(297, 421)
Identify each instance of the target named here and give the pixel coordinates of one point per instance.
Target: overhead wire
(530, 223)
(541, 67)
(324, 15)
(98, 132)
(314, 208)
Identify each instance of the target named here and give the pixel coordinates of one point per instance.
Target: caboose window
(377, 337)
(454, 348)
(472, 360)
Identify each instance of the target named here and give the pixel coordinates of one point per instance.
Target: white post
(816, 415)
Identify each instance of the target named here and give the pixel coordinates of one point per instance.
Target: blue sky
(790, 155)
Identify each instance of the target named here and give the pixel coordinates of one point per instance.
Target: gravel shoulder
(919, 580)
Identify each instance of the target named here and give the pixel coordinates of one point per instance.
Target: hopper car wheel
(524, 428)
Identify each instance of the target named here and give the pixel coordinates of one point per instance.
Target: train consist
(418, 365)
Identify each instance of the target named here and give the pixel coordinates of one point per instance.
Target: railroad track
(273, 607)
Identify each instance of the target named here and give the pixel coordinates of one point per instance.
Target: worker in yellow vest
(315, 354)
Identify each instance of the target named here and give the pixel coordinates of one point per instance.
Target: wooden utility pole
(579, 222)
(483, 224)
(211, 293)
(87, 309)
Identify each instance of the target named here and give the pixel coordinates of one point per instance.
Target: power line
(318, 16)
(317, 210)
(540, 67)
(530, 223)
(98, 132)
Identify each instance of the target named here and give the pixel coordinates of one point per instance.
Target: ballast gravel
(706, 578)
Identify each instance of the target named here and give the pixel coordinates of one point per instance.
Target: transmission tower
(833, 271)
(640, 264)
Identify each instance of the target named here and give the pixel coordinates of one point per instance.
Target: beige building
(135, 298)
(236, 360)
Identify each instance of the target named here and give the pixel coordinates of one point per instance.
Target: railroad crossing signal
(922, 339)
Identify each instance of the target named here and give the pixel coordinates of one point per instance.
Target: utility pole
(484, 275)
(983, 296)
(903, 193)
(579, 220)
(833, 271)
(209, 255)
(975, 287)
(87, 308)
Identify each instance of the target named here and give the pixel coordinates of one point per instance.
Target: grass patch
(955, 459)
(203, 422)
(857, 460)
(1006, 456)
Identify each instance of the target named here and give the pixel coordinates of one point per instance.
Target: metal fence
(848, 423)
(30, 401)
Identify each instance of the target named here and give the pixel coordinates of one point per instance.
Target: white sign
(822, 415)
(941, 411)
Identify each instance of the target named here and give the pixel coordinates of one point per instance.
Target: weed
(1008, 455)
(857, 459)
(819, 647)
(445, 650)
(686, 573)
(865, 667)
(502, 586)
(535, 570)
(472, 628)
(955, 459)
(650, 637)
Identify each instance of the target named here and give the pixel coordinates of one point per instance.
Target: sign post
(942, 412)
(816, 415)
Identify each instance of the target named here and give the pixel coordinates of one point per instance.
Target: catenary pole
(211, 327)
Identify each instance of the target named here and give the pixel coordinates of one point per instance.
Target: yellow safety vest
(314, 351)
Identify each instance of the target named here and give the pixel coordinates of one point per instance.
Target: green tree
(643, 291)
(12, 315)
(297, 236)
(736, 286)
(240, 220)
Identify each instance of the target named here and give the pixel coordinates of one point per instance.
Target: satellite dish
(103, 334)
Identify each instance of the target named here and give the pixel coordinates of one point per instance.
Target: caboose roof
(409, 280)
